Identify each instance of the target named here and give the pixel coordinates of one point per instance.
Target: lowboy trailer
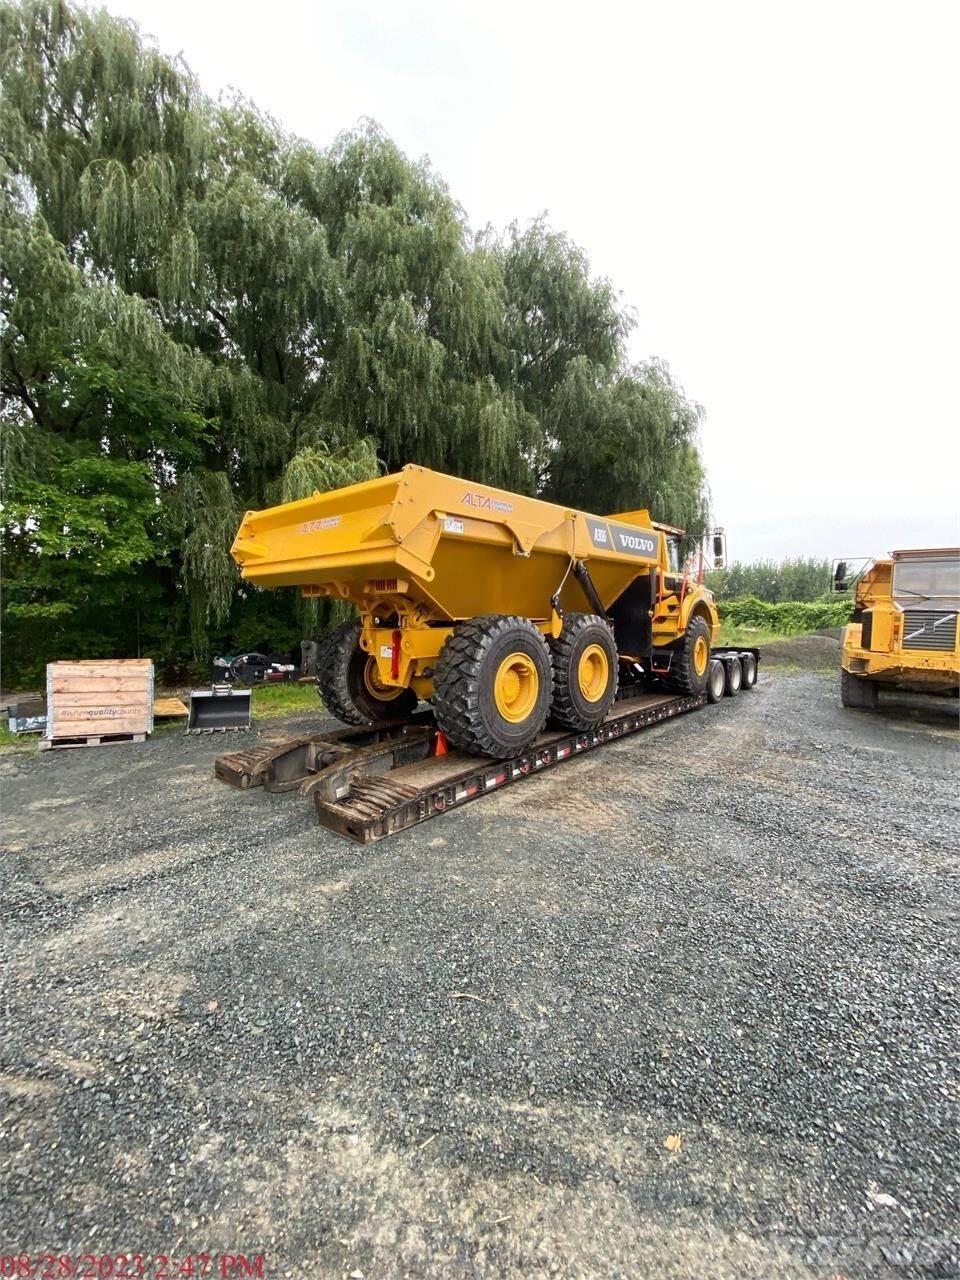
(375, 780)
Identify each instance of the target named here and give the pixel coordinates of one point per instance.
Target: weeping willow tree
(202, 314)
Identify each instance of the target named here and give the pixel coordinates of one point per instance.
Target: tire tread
(682, 676)
(563, 709)
(457, 690)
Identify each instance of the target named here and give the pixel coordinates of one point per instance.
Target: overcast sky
(773, 188)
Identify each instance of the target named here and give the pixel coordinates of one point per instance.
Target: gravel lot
(462, 1051)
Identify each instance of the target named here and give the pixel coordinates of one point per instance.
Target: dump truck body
(904, 632)
(438, 543)
(423, 555)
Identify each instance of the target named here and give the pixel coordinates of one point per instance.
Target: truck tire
(734, 680)
(857, 692)
(690, 661)
(585, 672)
(349, 685)
(493, 686)
(716, 681)
(748, 665)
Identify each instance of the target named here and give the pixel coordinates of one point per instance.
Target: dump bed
(459, 548)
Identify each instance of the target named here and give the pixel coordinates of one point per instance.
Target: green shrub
(791, 617)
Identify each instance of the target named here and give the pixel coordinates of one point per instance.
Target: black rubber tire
(716, 680)
(340, 667)
(463, 700)
(857, 692)
(748, 665)
(682, 676)
(734, 673)
(570, 709)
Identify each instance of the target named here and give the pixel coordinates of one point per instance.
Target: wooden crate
(99, 699)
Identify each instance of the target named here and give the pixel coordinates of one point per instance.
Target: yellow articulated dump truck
(500, 609)
(904, 629)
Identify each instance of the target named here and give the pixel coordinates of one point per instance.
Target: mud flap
(219, 707)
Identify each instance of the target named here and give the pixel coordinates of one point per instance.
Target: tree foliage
(202, 314)
(773, 581)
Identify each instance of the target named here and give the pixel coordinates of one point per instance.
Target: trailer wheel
(734, 678)
(585, 672)
(349, 684)
(493, 685)
(716, 681)
(748, 665)
(857, 692)
(690, 662)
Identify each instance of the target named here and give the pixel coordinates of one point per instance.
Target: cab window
(673, 555)
(927, 576)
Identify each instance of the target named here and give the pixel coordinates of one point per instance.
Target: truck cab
(904, 629)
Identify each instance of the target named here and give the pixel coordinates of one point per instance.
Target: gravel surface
(819, 651)
(463, 1051)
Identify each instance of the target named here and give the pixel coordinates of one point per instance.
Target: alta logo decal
(483, 502)
(314, 526)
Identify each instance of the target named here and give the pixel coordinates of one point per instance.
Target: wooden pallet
(101, 740)
(169, 708)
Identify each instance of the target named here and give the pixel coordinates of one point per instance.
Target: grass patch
(749, 637)
(284, 699)
(18, 741)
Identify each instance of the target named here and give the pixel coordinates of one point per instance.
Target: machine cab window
(673, 554)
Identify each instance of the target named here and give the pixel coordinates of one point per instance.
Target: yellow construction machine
(501, 609)
(904, 629)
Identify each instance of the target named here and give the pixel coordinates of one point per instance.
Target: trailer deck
(371, 782)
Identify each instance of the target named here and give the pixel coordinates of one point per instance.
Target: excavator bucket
(217, 708)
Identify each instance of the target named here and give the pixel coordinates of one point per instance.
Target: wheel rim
(515, 687)
(593, 672)
(375, 686)
(701, 655)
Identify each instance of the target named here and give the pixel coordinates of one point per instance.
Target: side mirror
(840, 576)
(719, 549)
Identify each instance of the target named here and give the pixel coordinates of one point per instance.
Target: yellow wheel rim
(593, 672)
(701, 655)
(375, 686)
(515, 687)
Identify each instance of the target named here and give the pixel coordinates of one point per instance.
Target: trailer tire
(686, 674)
(346, 682)
(493, 686)
(734, 680)
(716, 681)
(857, 692)
(585, 672)
(748, 665)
